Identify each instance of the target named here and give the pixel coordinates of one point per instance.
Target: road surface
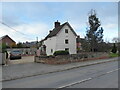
(103, 75)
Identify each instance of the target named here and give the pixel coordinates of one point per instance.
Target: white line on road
(84, 80)
(75, 83)
(113, 71)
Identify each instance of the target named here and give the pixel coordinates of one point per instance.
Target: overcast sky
(35, 19)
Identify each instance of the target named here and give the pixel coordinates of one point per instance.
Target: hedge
(61, 52)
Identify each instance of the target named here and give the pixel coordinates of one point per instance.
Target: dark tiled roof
(78, 40)
(56, 30)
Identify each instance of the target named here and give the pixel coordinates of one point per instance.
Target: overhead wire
(25, 35)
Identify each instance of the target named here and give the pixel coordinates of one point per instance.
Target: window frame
(66, 41)
(67, 49)
(66, 30)
(51, 50)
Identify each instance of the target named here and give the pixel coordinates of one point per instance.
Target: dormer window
(66, 30)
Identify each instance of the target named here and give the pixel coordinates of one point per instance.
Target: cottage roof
(79, 40)
(56, 30)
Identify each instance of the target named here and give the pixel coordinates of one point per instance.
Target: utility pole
(37, 42)
(37, 39)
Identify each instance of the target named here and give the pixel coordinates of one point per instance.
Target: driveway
(25, 59)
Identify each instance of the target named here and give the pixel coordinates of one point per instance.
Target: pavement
(18, 71)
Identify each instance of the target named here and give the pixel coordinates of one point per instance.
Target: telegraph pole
(37, 42)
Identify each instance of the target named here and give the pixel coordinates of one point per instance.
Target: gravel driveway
(25, 59)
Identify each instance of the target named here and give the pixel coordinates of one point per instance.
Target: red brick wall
(7, 41)
(78, 45)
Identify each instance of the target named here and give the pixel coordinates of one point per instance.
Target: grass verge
(113, 55)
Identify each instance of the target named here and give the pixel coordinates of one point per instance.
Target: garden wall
(70, 58)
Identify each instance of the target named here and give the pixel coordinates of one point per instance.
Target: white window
(66, 30)
(66, 49)
(66, 41)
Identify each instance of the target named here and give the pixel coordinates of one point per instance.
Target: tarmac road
(108, 80)
(103, 75)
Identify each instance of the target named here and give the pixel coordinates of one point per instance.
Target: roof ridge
(3, 37)
(57, 29)
(6, 36)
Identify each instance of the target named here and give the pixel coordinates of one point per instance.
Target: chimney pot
(50, 31)
(78, 36)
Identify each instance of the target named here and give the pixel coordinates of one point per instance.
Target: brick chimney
(57, 24)
(78, 36)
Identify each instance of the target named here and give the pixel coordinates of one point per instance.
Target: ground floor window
(66, 49)
(51, 50)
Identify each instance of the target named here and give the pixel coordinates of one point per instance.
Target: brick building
(7, 40)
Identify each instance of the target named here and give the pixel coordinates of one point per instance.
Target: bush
(51, 56)
(114, 49)
(3, 47)
(61, 52)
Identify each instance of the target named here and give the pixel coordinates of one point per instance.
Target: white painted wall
(58, 42)
(50, 44)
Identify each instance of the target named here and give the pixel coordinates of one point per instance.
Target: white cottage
(62, 37)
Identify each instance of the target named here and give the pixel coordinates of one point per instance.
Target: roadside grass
(113, 55)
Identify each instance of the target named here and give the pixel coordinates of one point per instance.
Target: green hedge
(61, 52)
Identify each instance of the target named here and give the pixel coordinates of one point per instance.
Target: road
(103, 75)
(102, 81)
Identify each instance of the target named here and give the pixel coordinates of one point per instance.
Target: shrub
(3, 47)
(61, 52)
(51, 56)
(114, 49)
